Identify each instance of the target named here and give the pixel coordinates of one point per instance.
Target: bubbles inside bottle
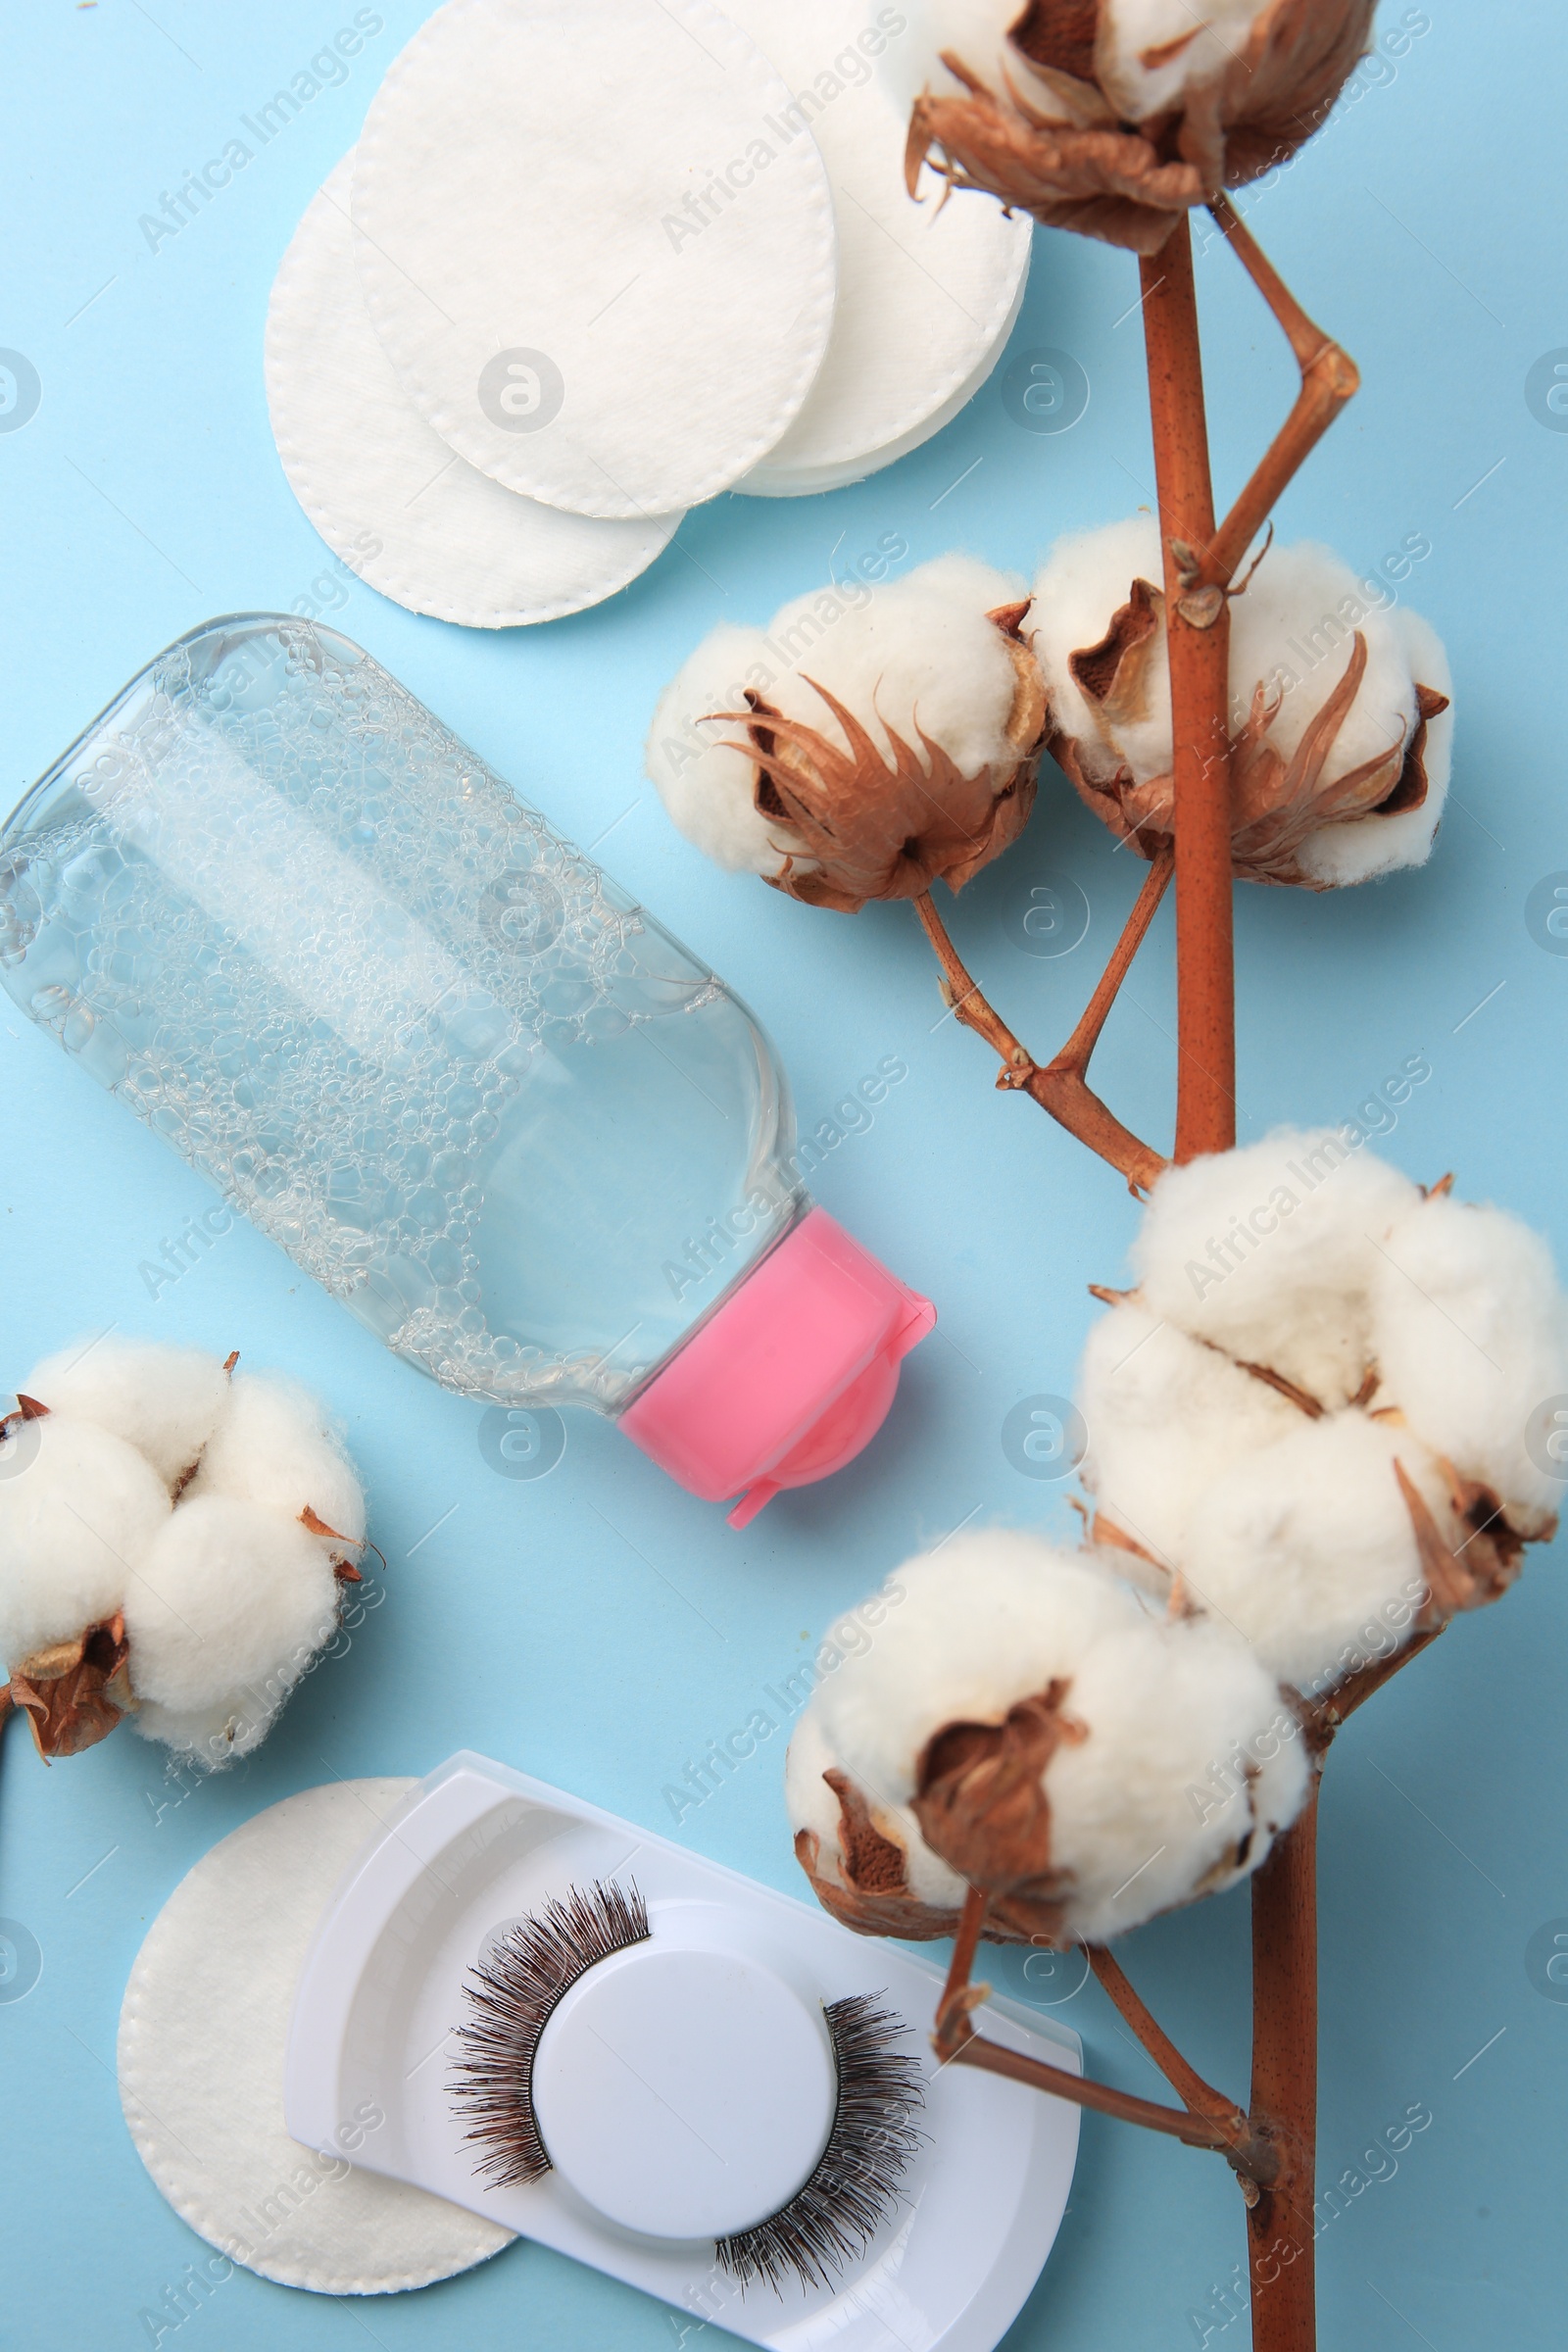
(419, 1039)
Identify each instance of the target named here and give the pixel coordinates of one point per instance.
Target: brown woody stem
(1060, 1087)
(1251, 2157)
(1194, 2093)
(959, 1997)
(1210, 2121)
(1283, 2097)
(1329, 379)
(1074, 1054)
(1198, 626)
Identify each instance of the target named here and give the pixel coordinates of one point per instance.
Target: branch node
(1200, 608)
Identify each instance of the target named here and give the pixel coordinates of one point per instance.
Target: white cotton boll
(1191, 1766)
(228, 1604)
(1270, 1252)
(1308, 1549)
(1166, 1416)
(1181, 1760)
(163, 1400)
(1154, 52)
(990, 1619)
(275, 1448)
(1083, 584)
(1470, 1329)
(78, 1508)
(915, 655)
(214, 1736)
(1357, 852)
(705, 784)
(813, 1805)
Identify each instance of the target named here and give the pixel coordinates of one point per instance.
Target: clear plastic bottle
(273, 904)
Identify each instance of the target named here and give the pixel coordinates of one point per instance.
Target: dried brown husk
(75, 1693)
(866, 826)
(1479, 1568)
(1068, 153)
(869, 1889)
(981, 1803)
(1277, 803)
(981, 1806)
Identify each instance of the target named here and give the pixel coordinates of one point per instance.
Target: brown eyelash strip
(854, 2186)
(512, 1993)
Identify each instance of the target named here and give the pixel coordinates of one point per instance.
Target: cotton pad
(770, 480)
(402, 509)
(203, 2031)
(603, 268)
(927, 292)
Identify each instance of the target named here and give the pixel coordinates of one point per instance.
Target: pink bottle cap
(790, 1379)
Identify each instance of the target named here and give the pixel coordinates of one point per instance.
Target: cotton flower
(869, 741)
(1313, 1417)
(1023, 1722)
(228, 1604)
(1114, 117)
(173, 1542)
(1340, 730)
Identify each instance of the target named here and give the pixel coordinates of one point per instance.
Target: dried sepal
(867, 1888)
(1278, 803)
(1479, 1568)
(982, 1807)
(1101, 182)
(863, 825)
(343, 1568)
(75, 1693)
(1086, 137)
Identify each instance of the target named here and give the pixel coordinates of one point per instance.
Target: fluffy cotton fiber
(1270, 1253)
(1413, 1331)
(227, 1605)
(155, 1489)
(1179, 1764)
(165, 1401)
(1165, 1415)
(1292, 632)
(71, 1518)
(275, 1447)
(914, 652)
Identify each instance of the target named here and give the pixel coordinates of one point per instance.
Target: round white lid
(684, 2094)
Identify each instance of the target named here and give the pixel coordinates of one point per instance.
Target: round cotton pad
(769, 481)
(602, 263)
(202, 2036)
(385, 492)
(927, 292)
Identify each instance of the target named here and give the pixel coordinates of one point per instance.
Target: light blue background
(598, 1627)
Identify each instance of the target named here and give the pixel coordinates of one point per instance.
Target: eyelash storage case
(588, 2036)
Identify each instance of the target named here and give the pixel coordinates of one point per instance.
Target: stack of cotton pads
(596, 261)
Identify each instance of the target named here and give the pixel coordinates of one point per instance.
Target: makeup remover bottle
(425, 1045)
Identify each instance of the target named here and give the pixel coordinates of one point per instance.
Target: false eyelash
(854, 2186)
(527, 1973)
